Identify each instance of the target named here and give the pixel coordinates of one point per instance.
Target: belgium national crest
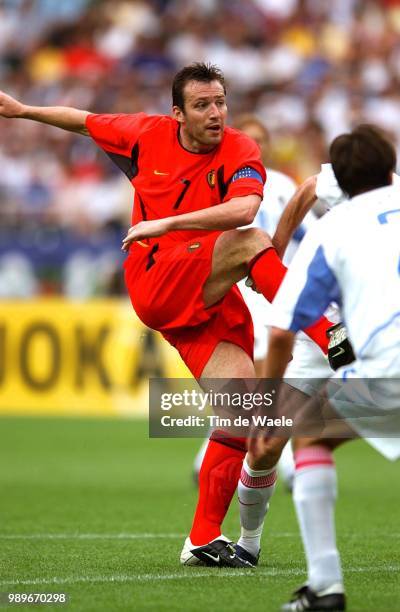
(211, 180)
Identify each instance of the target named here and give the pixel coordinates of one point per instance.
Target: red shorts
(166, 291)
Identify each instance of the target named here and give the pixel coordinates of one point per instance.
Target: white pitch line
(112, 536)
(90, 536)
(155, 536)
(150, 536)
(216, 573)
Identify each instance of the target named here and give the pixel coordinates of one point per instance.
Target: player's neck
(191, 144)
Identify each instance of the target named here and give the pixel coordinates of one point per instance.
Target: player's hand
(145, 229)
(9, 107)
(257, 445)
(263, 446)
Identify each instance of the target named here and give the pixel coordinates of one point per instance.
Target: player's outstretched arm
(237, 212)
(294, 213)
(70, 119)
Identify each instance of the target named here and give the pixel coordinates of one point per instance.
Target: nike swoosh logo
(161, 173)
(339, 352)
(215, 559)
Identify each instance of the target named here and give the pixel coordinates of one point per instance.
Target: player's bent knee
(243, 245)
(255, 237)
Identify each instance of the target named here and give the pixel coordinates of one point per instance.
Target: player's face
(203, 117)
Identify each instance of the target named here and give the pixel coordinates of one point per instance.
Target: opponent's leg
(286, 467)
(259, 473)
(314, 496)
(255, 489)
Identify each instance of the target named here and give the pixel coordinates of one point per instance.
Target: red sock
(317, 332)
(268, 271)
(218, 479)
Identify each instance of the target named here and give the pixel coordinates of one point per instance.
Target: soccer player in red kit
(195, 182)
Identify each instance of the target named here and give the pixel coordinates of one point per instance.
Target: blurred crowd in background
(309, 69)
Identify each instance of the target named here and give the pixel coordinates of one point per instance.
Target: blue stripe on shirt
(320, 290)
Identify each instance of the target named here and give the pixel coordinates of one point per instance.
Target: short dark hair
(363, 159)
(205, 73)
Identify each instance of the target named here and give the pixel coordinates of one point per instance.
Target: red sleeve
(118, 133)
(244, 173)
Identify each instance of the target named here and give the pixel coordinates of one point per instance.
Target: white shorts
(309, 367)
(309, 370)
(370, 403)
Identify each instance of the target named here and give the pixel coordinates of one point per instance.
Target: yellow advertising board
(79, 358)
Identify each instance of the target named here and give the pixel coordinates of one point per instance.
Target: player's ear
(178, 114)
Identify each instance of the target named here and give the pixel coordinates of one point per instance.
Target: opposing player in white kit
(308, 368)
(280, 190)
(308, 364)
(256, 487)
(352, 256)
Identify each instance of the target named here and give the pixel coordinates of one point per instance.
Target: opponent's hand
(257, 444)
(9, 107)
(145, 229)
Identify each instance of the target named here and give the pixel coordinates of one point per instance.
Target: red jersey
(170, 180)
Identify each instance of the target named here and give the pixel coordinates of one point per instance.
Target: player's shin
(314, 496)
(255, 489)
(267, 272)
(218, 480)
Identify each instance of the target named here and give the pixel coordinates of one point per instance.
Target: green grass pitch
(97, 510)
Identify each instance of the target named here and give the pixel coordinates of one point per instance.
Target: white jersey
(355, 401)
(351, 256)
(278, 191)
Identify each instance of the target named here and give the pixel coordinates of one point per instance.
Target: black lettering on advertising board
(29, 337)
(89, 355)
(149, 363)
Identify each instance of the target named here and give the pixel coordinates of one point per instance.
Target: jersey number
(186, 185)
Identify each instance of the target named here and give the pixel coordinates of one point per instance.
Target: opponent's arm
(294, 213)
(280, 346)
(70, 119)
(237, 212)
